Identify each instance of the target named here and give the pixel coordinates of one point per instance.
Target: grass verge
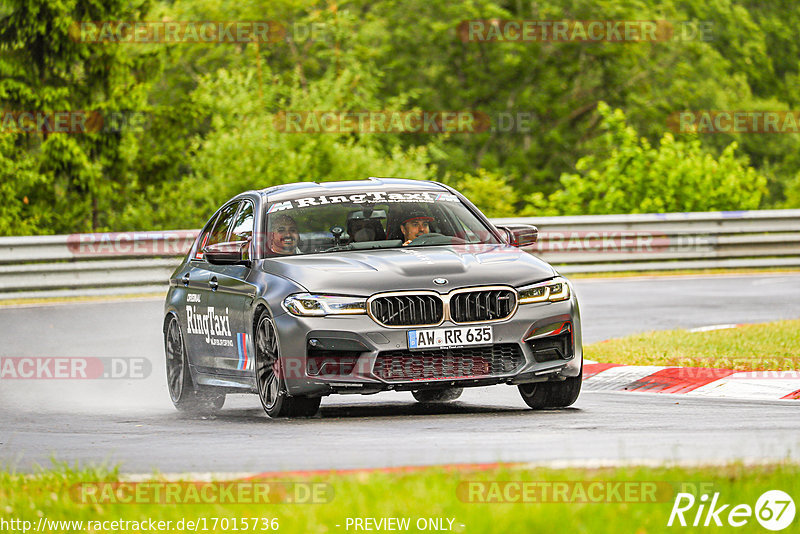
(758, 347)
(626, 499)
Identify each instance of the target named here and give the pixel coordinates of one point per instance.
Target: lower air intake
(467, 362)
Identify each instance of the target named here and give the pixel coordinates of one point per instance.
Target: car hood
(364, 273)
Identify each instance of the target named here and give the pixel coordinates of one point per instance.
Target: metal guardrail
(668, 241)
(141, 262)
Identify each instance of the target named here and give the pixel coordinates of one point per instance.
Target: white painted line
(713, 327)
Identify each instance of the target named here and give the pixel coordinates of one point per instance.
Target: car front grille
(462, 306)
(482, 305)
(408, 310)
(466, 362)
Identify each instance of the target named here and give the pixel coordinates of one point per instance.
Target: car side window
(202, 239)
(243, 224)
(224, 222)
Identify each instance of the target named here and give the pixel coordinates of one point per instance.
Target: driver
(415, 224)
(283, 237)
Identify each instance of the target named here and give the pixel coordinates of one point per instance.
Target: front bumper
(372, 358)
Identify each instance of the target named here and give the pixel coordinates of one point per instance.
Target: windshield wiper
(374, 245)
(339, 248)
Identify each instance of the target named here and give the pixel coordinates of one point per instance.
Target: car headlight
(551, 291)
(310, 305)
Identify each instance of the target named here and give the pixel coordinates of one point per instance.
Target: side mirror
(520, 235)
(231, 253)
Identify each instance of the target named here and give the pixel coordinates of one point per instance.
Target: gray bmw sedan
(304, 290)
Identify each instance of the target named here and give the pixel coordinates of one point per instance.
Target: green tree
(630, 176)
(247, 148)
(18, 180)
(211, 107)
(491, 193)
(45, 68)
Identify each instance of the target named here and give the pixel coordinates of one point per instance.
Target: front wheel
(269, 375)
(182, 391)
(552, 394)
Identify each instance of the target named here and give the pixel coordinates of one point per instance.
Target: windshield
(376, 220)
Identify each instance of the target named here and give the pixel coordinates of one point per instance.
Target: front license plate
(449, 337)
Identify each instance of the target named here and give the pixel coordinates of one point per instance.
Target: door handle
(213, 284)
(185, 279)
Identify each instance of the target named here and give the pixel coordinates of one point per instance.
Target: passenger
(283, 237)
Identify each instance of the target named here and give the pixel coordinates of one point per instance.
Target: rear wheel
(182, 391)
(437, 395)
(552, 394)
(269, 375)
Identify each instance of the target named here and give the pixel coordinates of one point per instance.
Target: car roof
(300, 189)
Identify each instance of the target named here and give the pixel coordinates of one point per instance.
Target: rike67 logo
(774, 510)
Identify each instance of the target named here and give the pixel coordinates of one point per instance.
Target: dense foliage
(198, 120)
(633, 176)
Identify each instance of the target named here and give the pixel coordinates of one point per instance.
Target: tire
(185, 396)
(552, 394)
(437, 395)
(269, 378)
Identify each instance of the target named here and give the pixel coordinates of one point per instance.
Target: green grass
(765, 346)
(426, 493)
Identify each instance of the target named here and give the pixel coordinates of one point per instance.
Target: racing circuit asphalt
(132, 422)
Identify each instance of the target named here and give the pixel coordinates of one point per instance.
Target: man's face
(413, 228)
(283, 235)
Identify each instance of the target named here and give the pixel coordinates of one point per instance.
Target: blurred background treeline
(203, 124)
